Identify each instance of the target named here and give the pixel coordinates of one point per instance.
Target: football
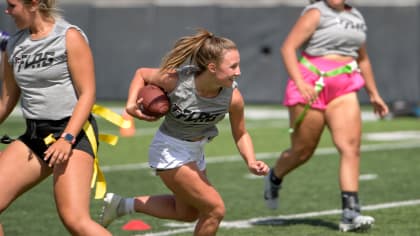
(155, 102)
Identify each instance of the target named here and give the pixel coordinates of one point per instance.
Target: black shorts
(37, 130)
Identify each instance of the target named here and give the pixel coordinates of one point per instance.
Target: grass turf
(313, 188)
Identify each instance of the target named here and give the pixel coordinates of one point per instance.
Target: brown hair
(200, 48)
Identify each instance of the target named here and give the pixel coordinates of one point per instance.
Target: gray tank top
(337, 33)
(41, 72)
(191, 115)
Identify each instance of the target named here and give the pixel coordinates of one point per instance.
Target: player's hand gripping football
(133, 110)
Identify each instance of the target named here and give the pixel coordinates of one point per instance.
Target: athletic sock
(126, 206)
(274, 179)
(350, 205)
(350, 201)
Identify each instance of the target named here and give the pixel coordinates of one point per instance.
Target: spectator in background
(321, 92)
(200, 97)
(48, 65)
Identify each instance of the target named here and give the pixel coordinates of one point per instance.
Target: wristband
(68, 137)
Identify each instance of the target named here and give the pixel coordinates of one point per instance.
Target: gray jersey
(41, 72)
(191, 115)
(338, 32)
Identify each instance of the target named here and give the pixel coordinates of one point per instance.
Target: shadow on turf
(289, 222)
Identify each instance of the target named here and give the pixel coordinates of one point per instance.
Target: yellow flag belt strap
(98, 177)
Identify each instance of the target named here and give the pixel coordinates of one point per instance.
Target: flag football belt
(98, 177)
(319, 84)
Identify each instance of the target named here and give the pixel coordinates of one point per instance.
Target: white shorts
(167, 152)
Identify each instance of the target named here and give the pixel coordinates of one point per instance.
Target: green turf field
(310, 198)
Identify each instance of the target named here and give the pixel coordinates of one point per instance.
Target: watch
(68, 137)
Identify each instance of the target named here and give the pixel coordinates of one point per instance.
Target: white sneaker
(358, 223)
(271, 193)
(110, 209)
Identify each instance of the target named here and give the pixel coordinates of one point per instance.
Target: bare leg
(27, 171)
(344, 121)
(72, 194)
(304, 140)
(346, 134)
(194, 198)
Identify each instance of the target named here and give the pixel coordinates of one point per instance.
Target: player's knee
(349, 150)
(75, 224)
(348, 144)
(218, 212)
(305, 155)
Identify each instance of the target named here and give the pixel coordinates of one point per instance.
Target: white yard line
(363, 177)
(392, 136)
(271, 155)
(247, 223)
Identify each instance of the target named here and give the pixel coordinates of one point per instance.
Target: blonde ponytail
(200, 49)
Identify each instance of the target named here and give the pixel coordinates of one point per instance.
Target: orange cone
(130, 131)
(136, 225)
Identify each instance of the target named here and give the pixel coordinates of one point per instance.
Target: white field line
(363, 177)
(247, 223)
(250, 113)
(392, 136)
(281, 116)
(271, 155)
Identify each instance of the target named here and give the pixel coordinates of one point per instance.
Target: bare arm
(241, 136)
(10, 91)
(300, 33)
(378, 104)
(81, 67)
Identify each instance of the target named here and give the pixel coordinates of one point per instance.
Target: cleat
(110, 209)
(358, 223)
(271, 193)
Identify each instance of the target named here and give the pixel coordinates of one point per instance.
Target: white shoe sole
(360, 223)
